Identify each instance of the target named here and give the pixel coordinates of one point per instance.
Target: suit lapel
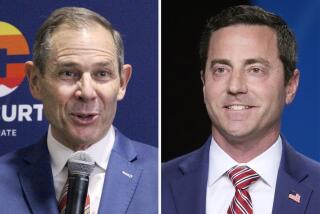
(189, 191)
(37, 182)
(121, 178)
(290, 180)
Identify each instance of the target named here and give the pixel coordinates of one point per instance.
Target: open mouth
(84, 118)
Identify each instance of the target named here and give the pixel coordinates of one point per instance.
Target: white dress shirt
(220, 190)
(99, 152)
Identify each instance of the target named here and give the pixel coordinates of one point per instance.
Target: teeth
(237, 107)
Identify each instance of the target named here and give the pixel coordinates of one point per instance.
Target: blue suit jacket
(27, 184)
(184, 183)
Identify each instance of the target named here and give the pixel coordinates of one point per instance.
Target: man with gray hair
(78, 73)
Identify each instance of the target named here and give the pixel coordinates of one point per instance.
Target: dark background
(185, 123)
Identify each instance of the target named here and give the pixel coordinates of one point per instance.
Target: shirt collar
(266, 164)
(99, 151)
(219, 162)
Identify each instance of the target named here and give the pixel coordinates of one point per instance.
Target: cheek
(56, 99)
(53, 105)
(211, 99)
(274, 99)
(212, 91)
(108, 95)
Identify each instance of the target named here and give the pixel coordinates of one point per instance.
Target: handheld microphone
(80, 165)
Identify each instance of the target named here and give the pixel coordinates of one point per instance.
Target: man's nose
(237, 83)
(86, 90)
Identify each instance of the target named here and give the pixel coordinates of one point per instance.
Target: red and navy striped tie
(242, 177)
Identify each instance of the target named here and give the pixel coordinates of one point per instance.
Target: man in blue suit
(249, 74)
(78, 72)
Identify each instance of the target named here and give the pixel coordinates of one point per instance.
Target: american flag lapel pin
(296, 197)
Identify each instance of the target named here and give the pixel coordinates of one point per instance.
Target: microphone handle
(77, 194)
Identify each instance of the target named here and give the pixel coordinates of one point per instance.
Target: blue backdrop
(301, 118)
(21, 120)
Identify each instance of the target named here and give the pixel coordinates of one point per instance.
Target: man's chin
(81, 143)
(236, 134)
(83, 139)
(87, 134)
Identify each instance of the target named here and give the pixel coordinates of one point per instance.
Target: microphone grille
(80, 163)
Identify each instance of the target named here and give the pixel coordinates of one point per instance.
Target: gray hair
(74, 17)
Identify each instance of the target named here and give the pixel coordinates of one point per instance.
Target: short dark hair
(75, 17)
(253, 15)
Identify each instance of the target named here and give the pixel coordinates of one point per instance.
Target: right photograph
(240, 99)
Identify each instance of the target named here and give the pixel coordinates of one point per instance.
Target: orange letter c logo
(15, 44)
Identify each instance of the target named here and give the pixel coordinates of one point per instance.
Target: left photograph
(79, 107)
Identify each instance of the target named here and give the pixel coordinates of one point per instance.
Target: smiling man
(249, 75)
(78, 73)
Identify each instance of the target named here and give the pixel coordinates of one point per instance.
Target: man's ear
(202, 76)
(125, 76)
(33, 79)
(292, 86)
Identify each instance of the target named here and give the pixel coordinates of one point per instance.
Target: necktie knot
(242, 176)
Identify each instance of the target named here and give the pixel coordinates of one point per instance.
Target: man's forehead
(245, 36)
(82, 41)
(94, 33)
(73, 64)
(244, 27)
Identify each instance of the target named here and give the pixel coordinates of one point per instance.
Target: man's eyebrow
(220, 61)
(103, 64)
(246, 62)
(257, 60)
(67, 64)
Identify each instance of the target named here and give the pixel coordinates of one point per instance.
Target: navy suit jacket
(184, 183)
(27, 184)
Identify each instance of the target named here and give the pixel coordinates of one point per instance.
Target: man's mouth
(84, 118)
(237, 107)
